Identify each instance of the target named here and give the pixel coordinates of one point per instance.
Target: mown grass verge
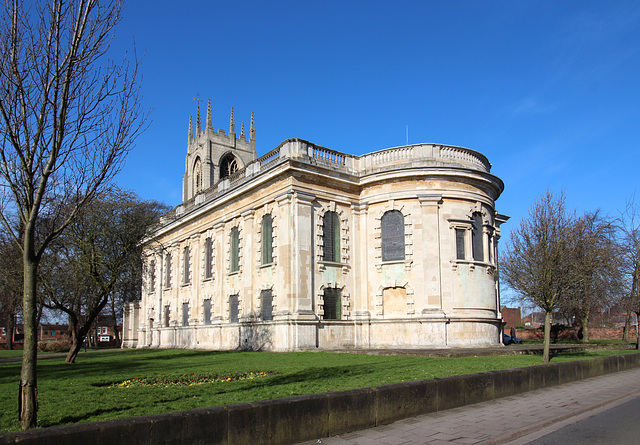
(93, 388)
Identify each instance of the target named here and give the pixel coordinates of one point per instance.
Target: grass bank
(115, 384)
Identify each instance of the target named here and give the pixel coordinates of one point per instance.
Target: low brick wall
(568, 333)
(297, 419)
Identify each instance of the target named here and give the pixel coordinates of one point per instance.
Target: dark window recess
(267, 304)
(185, 314)
(166, 316)
(233, 309)
(228, 166)
(167, 277)
(186, 269)
(331, 237)
(267, 239)
(208, 257)
(392, 236)
(332, 304)
(235, 250)
(152, 276)
(207, 311)
(460, 244)
(476, 237)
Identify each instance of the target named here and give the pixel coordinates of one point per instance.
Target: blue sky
(549, 91)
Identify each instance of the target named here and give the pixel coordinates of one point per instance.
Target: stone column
(432, 253)
(362, 304)
(248, 263)
(221, 299)
(303, 261)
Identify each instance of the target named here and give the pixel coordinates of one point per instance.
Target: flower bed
(166, 381)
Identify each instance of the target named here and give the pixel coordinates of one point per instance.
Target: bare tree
(630, 255)
(96, 258)
(595, 267)
(68, 117)
(536, 262)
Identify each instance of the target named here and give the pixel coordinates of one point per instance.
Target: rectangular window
(476, 237)
(460, 244)
(167, 271)
(233, 309)
(235, 250)
(208, 258)
(267, 239)
(152, 276)
(331, 237)
(207, 311)
(392, 231)
(332, 304)
(53, 333)
(185, 314)
(186, 269)
(267, 304)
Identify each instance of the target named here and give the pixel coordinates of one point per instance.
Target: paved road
(515, 420)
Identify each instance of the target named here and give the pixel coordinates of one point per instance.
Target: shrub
(53, 346)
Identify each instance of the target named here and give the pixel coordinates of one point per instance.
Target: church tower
(212, 155)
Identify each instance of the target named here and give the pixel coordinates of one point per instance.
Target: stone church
(309, 248)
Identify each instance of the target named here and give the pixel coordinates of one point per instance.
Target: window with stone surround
(267, 239)
(392, 232)
(460, 235)
(152, 276)
(331, 237)
(186, 265)
(266, 297)
(476, 237)
(234, 309)
(207, 311)
(234, 250)
(228, 165)
(185, 314)
(167, 271)
(167, 311)
(332, 304)
(208, 258)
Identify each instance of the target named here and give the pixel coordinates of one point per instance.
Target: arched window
(392, 224)
(234, 260)
(197, 176)
(267, 239)
(331, 237)
(476, 237)
(332, 304)
(208, 258)
(228, 165)
(186, 265)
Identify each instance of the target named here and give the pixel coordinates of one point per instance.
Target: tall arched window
(331, 237)
(267, 239)
(234, 260)
(476, 237)
(228, 165)
(392, 224)
(332, 304)
(197, 176)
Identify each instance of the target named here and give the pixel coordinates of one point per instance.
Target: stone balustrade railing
(419, 155)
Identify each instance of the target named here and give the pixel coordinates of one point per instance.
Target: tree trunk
(585, 328)
(627, 327)
(28, 395)
(547, 337)
(11, 327)
(76, 345)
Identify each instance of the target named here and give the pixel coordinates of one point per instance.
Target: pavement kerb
(538, 426)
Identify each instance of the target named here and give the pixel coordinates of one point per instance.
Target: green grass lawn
(97, 387)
